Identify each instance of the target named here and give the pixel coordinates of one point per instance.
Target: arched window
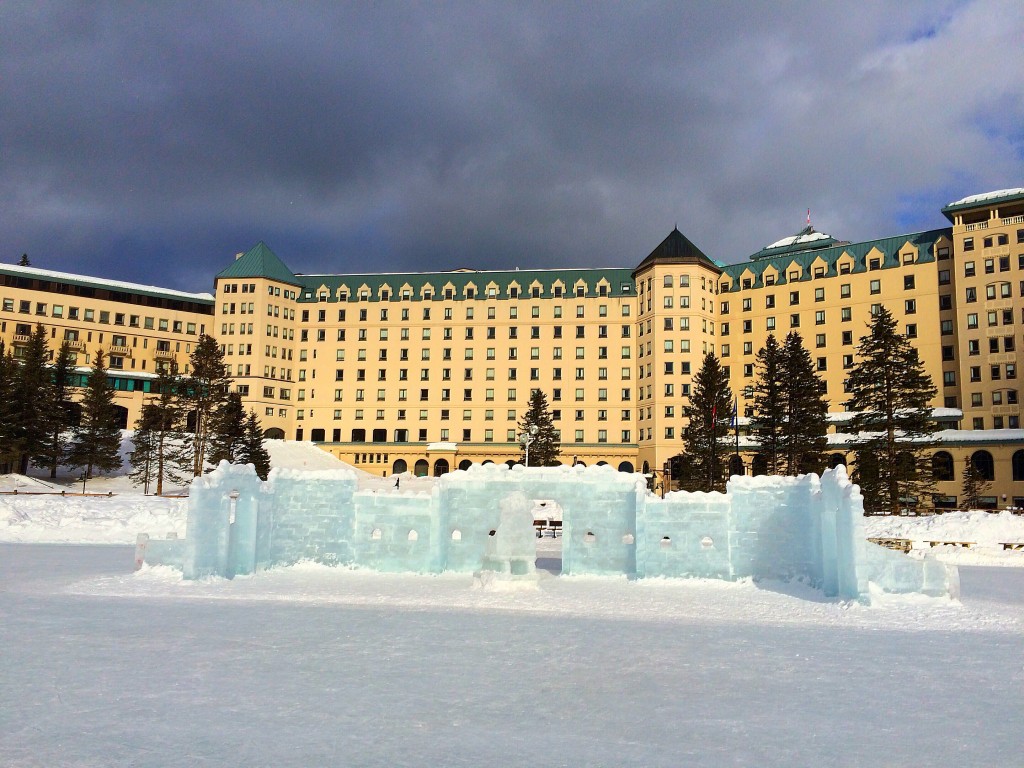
(942, 466)
(399, 467)
(121, 416)
(274, 433)
(317, 435)
(736, 465)
(421, 468)
(626, 467)
(759, 465)
(440, 467)
(983, 465)
(835, 460)
(1018, 465)
(465, 464)
(358, 435)
(647, 467)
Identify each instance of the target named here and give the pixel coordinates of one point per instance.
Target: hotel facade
(428, 372)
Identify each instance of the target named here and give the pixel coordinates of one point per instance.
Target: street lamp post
(527, 438)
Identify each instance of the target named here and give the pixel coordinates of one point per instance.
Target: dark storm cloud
(152, 141)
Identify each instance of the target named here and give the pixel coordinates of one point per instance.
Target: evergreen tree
(705, 438)
(227, 431)
(974, 485)
(204, 390)
(253, 451)
(10, 438)
(32, 399)
(142, 457)
(806, 422)
(96, 443)
(162, 422)
(24, 262)
(770, 411)
(891, 394)
(546, 447)
(54, 446)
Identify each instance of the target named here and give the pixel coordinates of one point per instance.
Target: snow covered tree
(253, 451)
(203, 391)
(974, 485)
(162, 451)
(54, 446)
(546, 447)
(890, 394)
(227, 431)
(705, 438)
(96, 442)
(806, 410)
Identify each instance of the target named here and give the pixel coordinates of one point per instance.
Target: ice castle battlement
(807, 527)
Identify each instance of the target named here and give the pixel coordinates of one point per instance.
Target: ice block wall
(762, 527)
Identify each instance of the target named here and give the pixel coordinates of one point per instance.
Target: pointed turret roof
(260, 261)
(676, 249)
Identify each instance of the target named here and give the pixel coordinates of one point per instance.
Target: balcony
(22, 338)
(1012, 220)
(977, 225)
(163, 354)
(121, 351)
(75, 345)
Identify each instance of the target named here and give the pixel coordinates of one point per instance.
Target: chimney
(239, 255)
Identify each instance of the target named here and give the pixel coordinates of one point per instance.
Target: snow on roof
(808, 238)
(442, 446)
(988, 196)
(109, 283)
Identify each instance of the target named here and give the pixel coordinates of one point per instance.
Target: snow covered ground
(311, 665)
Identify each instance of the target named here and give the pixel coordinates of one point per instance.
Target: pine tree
(974, 485)
(770, 410)
(891, 393)
(203, 390)
(24, 262)
(96, 443)
(806, 422)
(170, 446)
(545, 447)
(54, 446)
(32, 399)
(253, 451)
(142, 457)
(227, 431)
(10, 438)
(705, 437)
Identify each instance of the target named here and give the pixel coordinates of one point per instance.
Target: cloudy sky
(152, 141)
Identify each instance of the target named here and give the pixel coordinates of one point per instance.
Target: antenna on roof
(808, 217)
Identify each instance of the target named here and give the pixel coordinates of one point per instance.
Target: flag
(735, 411)
(808, 217)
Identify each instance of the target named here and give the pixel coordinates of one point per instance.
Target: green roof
(620, 283)
(807, 239)
(259, 261)
(924, 242)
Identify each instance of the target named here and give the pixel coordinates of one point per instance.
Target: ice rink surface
(315, 666)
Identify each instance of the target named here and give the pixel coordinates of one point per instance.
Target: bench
(900, 545)
(545, 527)
(963, 544)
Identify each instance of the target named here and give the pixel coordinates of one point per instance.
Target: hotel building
(431, 371)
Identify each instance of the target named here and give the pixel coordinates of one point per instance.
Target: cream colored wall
(386, 352)
(123, 334)
(840, 336)
(1001, 267)
(660, 410)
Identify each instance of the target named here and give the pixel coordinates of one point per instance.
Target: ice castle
(479, 519)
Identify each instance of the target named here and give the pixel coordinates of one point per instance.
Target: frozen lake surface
(314, 666)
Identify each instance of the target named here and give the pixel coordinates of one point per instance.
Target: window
(876, 287)
(910, 306)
